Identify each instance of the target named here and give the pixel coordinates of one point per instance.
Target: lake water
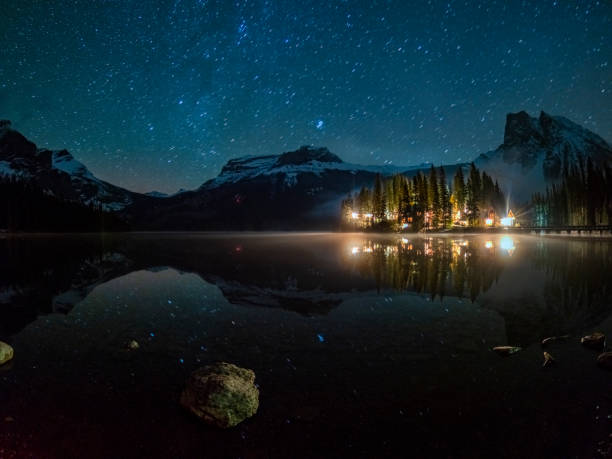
(363, 345)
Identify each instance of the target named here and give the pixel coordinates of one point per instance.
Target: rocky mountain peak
(521, 128)
(535, 150)
(13, 144)
(307, 154)
(5, 125)
(56, 171)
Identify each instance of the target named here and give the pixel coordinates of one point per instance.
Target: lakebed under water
(363, 345)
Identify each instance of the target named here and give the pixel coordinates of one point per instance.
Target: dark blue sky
(159, 95)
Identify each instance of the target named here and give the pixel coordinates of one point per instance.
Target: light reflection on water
(562, 284)
(380, 335)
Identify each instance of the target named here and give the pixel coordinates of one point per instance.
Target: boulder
(6, 353)
(548, 359)
(605, 360)
(221, 394)
(595, 340)
(132, 345)
(506, 350)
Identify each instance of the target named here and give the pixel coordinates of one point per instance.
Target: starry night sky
(159, 95)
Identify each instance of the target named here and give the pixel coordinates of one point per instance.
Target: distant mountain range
(300, 189)
(159, 194)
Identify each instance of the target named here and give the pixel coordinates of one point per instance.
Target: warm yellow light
(489, 221)
(355, 250)
(355, 215)
(367, 215)
(489, 244)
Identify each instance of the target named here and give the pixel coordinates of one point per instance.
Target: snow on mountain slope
(57, 172)
(304, 160)
(64, 161)
(159, 194)
(535, 150)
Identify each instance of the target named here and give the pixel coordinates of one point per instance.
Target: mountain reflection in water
(361, 344)
(538, 285)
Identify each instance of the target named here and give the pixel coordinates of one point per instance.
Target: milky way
(159, 95)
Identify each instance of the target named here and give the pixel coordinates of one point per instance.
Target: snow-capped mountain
(300, 189)
(57, 172)
(535, 150)
(159, 194)
(289, 165)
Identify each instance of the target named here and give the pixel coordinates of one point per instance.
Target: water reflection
(439, 266)
(536, 284)
(373, 335)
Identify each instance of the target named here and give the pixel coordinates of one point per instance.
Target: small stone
(595, 340)
(548, 359)
(506, 350)
(133, 345)
(221, 394)
(306, 413)
(605, 360)
(550, 339)
(6, 353)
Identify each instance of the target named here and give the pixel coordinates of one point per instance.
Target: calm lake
(363, 345)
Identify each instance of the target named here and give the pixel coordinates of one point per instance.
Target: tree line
(425, 201)
(24, 206)
(583, 197)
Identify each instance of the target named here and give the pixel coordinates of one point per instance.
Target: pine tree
(582, 197)
(348, 207)
(473, 195)
(433, 194)
(404, 208)
(445, 202)
(459, 190)
(379, 199)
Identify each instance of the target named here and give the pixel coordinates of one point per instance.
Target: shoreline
(599, 234)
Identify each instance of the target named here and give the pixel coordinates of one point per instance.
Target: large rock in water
(6, 352)
(596, 340)
(605, 360)
(221, 394)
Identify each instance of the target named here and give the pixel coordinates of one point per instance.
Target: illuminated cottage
(509, 220)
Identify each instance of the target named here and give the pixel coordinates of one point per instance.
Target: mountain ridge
(535, 149)
(57, 171)
(300, 188)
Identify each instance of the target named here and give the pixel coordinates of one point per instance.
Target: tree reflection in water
(439, 266)
(578, 285)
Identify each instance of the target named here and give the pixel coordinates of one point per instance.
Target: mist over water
(359, 342)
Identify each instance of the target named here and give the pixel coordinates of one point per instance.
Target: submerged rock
(6, 353)
(551, 339)
(132, 345)
(548, 359)
(506, 350)
(221, 394)
(595, 340)
(605, 360)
